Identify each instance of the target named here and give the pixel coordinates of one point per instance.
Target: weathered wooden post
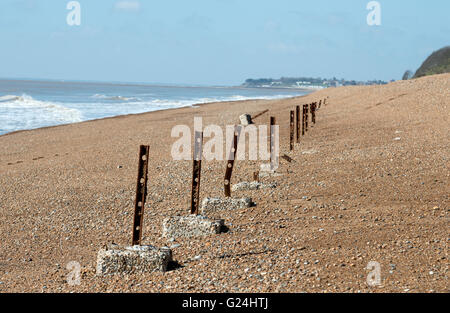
(230, 162)
(196, 172)
(141, 195)
(292, 127)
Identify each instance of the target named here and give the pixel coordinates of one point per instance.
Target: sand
(368, 182)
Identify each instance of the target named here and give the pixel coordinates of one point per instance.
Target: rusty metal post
(292, 129)
(259, 114)
(141, 195)
(230, 162)
(306, 115)
(303, 120)
(256, 176)
(313, 112)
(196, 172)
(316, 108)
(297, 124)
(272, 139)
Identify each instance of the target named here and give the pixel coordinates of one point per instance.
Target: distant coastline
(307, 83)
(299, 89)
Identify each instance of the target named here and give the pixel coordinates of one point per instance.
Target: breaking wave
(70, 103)
(25, 112)
(114, 98)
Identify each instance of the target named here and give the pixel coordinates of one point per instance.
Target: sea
(30, 104)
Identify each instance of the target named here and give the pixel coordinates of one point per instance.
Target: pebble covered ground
(368, 182)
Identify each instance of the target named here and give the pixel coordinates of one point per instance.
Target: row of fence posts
(141, 189)
(295, 126)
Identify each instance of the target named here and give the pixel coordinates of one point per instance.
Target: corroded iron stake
(259, 114)
(313, 112)
(316, 108)
(303, 120)
(272, 139)
(256, 176)
(141, 195)
(297, 120)
(230, 162)
(306, 117)
(196, 172)
(292, 128)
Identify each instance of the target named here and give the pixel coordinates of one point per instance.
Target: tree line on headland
(437, 63)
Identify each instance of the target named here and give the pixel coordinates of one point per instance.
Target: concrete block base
(267, 171)
(252, 186)
(129, 260)
(269, 174)
(212, 205)
(245, 119)
(191, 226)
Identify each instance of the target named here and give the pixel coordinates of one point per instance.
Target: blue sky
(217, 42)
